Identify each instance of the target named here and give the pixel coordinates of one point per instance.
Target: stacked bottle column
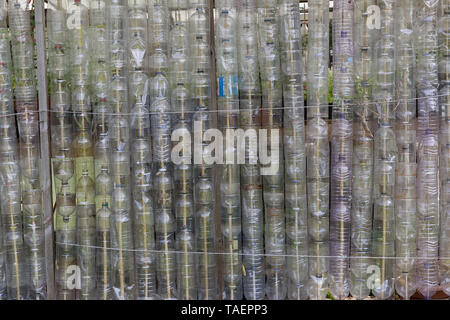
(181, 103)
(204, 192)
(121, 220)
(161, 125)
(294, 150)
(385, 154)
(161, 132)
(341, 148)
(428, 153)
(444, 104)
(99, 82)
(28, 126)
(251, 183)
(405, 130)
(141, 153)
(61, 137)
(228, 117)
(361, 230)
(272, 120)
(13, 281)
(83, 148)
(318, 150)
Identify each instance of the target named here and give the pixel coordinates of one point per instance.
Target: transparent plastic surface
(362, 200)
(83, 151)
(428, 215)
(181, 104)
(444, 105)
(251, 182)
(165, 224)
(141, 152)
(294, 150)
(427, 83)
(99, 78)
(13, 277)
(204, 193)
(405, 194)
(385, 153)
(341, 148)
(122, 264)
(19, 18)
(273, 184)
(228, 117)
(318, 149)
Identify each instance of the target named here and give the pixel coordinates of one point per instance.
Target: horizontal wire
(224, 111)
(250, 254)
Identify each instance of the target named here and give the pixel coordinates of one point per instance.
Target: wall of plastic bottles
(355, 98)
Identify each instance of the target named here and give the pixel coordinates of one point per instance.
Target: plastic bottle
(405, 195)
(385, 153)
(13, 277)
(228, 105)
(341, 148)
(181, 104)
(28, 127)
(124, 285)
(444, 104)
(294, 150)
(317, 148)
(427, 83)
(251, 182)
(204, 193)
(141, 153)
(272, 98)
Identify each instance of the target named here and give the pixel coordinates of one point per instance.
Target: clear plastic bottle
(362, 199)
(251, 182)
(78, 17)
(103, 253)
(444, 102)
(19, 18)
(13, 277)
(317, 148)
(99, 82)
(341, 148)
(165, 226)
(427, 83)
(385, 153)
(428, 215)
(204, 193)
(272, 98)
(182, 108)
(294, 150)
(141, 155)
(62, 151)
(228, 117)
(124, 285)
(86, 226)
(405, 195)
(383, 245)
(66, 236)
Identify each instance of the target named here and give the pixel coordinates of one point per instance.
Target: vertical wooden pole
(44, 140)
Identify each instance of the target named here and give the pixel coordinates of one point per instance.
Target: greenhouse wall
(224, 150)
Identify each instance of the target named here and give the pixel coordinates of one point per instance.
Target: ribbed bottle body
(251, 182)
(405, 130)
(427, 82)
(341, 148)
(13, 278)
(318, 149)
(19, 18)
(272, 120)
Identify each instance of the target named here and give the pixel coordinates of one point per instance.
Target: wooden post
(47, 206)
